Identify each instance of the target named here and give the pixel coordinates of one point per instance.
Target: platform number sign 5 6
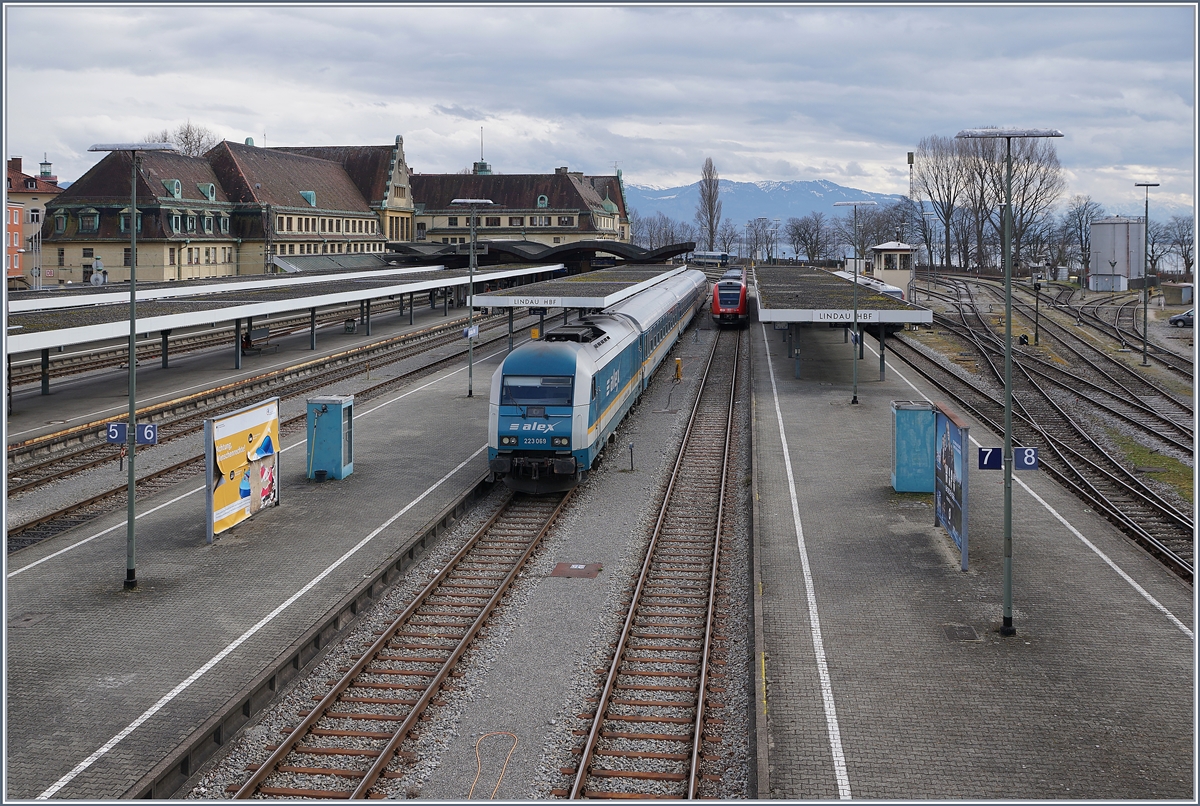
(1023, 458)
(147, 433)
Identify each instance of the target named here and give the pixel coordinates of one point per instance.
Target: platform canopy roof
(103, 316)
(808, 294)
(593, 290)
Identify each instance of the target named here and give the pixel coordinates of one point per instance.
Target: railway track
(1071, 456)
(352, 738)
(70, 516)
(653, 718)
(185, 416)
(29, 371)
(1097, 378)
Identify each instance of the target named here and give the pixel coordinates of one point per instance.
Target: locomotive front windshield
(536, 390)
(729, 296)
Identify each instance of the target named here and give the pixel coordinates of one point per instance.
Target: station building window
(171, 256)
(566, 220)
(89, 252)
(126, 257)
(62, 257)
(491, 221)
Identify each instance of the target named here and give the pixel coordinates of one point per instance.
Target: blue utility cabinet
(331, 436)
(913, 446)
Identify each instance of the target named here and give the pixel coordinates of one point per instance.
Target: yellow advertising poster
(243, 466)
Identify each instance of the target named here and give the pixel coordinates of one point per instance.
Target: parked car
(1184, 319)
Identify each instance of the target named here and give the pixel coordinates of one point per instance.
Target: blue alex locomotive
(556, 401)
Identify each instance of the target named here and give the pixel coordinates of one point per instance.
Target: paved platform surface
(85, 659)
(1093, 698)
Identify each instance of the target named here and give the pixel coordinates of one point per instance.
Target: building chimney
(14, 164)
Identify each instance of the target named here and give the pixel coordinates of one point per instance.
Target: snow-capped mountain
(742, 201)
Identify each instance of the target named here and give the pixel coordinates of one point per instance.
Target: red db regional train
(729, 299)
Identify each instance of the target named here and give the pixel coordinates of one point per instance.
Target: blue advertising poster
(950, 479)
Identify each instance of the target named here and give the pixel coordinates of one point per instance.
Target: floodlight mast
(857, 335)
(131, 426)
(1007, 627)
(473, 205)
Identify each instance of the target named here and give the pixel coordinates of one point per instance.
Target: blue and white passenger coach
(555, 401)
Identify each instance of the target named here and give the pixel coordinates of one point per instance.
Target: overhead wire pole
(131, 426)
(1146, 273)
(857, 335)
(473, 207)
(1007, 627)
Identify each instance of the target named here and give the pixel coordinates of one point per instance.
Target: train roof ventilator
(330, 432)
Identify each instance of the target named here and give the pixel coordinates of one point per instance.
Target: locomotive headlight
(560, 442)
(508, 440)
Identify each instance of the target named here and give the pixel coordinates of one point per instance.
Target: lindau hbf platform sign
(241, 465)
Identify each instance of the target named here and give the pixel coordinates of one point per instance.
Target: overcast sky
(770, 93)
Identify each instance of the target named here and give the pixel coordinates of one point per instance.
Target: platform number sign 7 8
(1023, 458)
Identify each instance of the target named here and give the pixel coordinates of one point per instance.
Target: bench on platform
(260, 339)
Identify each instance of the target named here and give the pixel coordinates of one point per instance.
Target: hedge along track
(184, 416)
(26, 534)
(352, 737)
(651, 721)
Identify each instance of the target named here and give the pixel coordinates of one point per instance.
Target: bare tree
(1158, 243)
(979, 161)
(758, 236)
(1037, 182)
(940, 176)
(637, 228)
(727, 235)
(708, 211)
(190, 138)
(1081, 212)
(1183, 243)
(793, 230)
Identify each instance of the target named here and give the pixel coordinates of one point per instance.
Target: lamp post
(131, 427)
(1146, 272)
(473, 206)
(1037, 298)
(1007, 627)
(854, 351)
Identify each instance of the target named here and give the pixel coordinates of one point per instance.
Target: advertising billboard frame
(244, 446)
(951, 477)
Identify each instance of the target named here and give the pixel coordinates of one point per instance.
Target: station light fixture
(857, 335)
(1007, 627)
(131, 429)
(473, 206)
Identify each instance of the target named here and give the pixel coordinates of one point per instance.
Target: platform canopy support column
(411, 299)
(164, 334)
(445, 302)
(237, 343)
(510, 330)
(312, 328)
(45, 371)
(882, 349)
(368, 317)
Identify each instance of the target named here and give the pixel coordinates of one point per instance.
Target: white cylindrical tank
(1118, 253)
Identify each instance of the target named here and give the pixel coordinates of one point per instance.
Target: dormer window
(309, 196)
(174, 187)
(60, 223)
(191, 223)
(225, 225)
(208, 224)
(31, 184)
(125, 221)
(543, 201)
(176, 222)
(208, 190)
(89, 220)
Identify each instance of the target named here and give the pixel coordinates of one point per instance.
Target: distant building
(12, 241)
(226, 213)
(891, 263)
(33, 193)
(558, 208)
